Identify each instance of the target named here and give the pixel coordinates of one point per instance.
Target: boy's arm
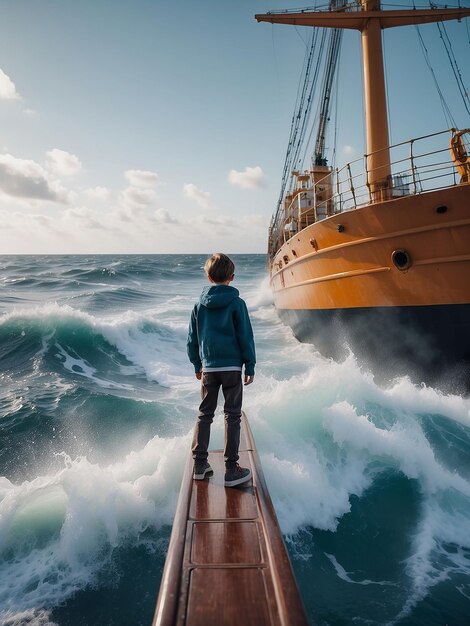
(245, 339)
(192, 342)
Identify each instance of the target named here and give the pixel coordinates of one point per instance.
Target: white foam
(431, 562)
(262, 296)
(32, 617)
(64, 527)
(344, 575)
(403, 445)
(80, 367)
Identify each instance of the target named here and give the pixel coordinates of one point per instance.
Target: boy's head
(219, 268)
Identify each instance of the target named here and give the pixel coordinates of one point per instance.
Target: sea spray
(59, 531)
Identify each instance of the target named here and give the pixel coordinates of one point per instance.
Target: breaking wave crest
(78, 341)
(58, 531)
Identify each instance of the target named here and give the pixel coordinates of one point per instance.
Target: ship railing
(418, 166)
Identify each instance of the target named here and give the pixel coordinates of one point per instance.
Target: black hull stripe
(431, 344)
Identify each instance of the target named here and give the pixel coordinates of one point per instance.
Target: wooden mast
(375, 98)
(370, 21)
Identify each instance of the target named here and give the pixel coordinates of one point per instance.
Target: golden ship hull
(390, 280)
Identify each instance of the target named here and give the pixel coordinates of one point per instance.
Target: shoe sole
(207, 472)
(238, 481)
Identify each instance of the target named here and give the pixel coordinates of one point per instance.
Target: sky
(161, 126)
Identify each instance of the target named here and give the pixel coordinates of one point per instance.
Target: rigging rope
(453, 63)
(304, 101)
(445, 106)
(301, 113)
(332, 59)
(321, 118)
(336, 118)
(308, 106)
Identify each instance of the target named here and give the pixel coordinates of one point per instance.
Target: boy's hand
(248, 379)
(199, 375)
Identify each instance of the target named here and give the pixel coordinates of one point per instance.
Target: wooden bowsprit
(227, 564)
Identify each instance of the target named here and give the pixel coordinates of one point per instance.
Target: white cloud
(26, 179)
(203, 198)
(162, 216)
(80, 229)
(135, 196)
(218, 220)
(63, 163)
(141, 178)
(29, 112)
(130, 214)
(99, 193)
(257, 221)
(7, 88)
(251, 178)
(84, 216)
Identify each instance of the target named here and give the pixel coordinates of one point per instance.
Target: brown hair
(219, 267)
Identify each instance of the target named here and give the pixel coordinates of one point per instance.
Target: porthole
(286, 259)
(294, 252)
(441, 209)
(401, 259)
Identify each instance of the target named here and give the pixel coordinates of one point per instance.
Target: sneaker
(236, 476)
(201, 470)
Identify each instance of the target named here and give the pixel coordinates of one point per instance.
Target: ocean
(371, 484)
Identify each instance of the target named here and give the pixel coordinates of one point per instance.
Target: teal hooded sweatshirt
(220, 333)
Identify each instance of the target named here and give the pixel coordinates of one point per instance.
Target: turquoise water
(371, 484)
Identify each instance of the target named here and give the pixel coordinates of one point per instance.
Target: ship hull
(338, 284)
(426, 343)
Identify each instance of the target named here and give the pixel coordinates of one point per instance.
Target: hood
(218, 296)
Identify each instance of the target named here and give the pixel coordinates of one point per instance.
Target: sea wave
(77, 341)
(58, 531)
(329, 436)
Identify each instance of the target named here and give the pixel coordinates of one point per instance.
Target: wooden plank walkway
(227, 564)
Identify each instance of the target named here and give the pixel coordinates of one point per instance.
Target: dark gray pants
(232, 388)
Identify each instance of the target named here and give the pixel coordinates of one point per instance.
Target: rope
(453, 63)
(445, 107)
(303, 105)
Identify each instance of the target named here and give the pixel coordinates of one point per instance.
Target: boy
(220, 341)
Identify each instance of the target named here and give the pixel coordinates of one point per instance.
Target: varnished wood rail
(227, 564)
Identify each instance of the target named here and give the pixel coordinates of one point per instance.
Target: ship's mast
(375, 98)
(370, 21)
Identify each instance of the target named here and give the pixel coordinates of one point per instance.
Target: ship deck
(227, 562)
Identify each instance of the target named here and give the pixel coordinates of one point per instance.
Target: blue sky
(161, 126)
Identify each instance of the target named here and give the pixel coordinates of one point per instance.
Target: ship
(373, 257)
